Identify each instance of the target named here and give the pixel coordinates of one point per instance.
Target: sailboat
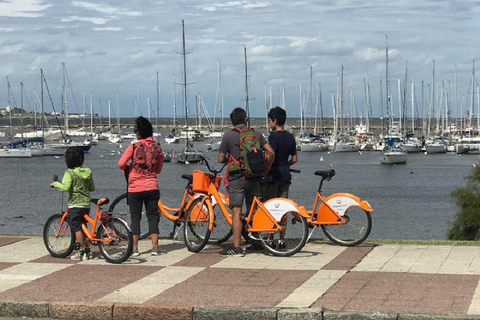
(67, 143)
(14, 152)
(189, 154)
(392, 154)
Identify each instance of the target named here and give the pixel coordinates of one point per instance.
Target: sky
(121, 45)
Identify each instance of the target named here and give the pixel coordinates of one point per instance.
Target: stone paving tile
(20, 274)
(349, 258)
(78, 282)
(312, 289)
(401, 292)
(151, 285)
(234, 287)
(23, 251)
(5, 265)
(208, 257)
(6, 240)
(312, 257)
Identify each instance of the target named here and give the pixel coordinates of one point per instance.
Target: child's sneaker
(232, 251)
(135, 252)
(77, 256)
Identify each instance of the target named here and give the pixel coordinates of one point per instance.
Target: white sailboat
(391, 154)
(189, 154)
(435, 146)
(14, 152)
(394, 155)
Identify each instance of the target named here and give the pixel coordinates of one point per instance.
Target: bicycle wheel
(197, 220)
(119, 248)
(222, 230)
(61, 246)
(290, 239)
(119, 208)
(356, 229)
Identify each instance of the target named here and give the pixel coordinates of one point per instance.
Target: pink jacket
(143, 171)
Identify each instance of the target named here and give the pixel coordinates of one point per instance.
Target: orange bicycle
(345, 218)
(221, 233)
(279, 224)
(111, 234)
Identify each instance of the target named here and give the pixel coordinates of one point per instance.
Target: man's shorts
(243, 189)
(76, 217)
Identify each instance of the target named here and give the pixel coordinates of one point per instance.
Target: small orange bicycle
(279, 224)
(111, 234)
(221, 233)
(345, 218)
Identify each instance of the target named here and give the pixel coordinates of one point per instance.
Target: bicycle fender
(213, 200)
(278, 207)
(342, 201)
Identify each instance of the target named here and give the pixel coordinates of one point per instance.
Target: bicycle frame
(264, 217)
(330, 210)
(176, 214)
(93, 222)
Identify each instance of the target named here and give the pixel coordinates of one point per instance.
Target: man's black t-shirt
(283, 144)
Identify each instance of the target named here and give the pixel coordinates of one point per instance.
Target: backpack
(251, 163)
(145, 158)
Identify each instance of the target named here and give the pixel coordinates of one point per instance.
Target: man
(240, 188)
(284, 146)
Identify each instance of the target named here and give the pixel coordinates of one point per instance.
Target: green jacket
(79, 183)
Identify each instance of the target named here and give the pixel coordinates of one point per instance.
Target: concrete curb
(123, 311)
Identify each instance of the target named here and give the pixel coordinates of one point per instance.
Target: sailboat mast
(118, 114)
(41, 102)
(174, 104)
(91, 115)
(321, 107)
(109, 114)
(185, 79)
(386, 86)
(158, 104)
(247, 103)
(413, 104)
(10, 112)
(64, 99)
(21, 108)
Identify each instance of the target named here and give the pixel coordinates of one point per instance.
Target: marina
(401, 195)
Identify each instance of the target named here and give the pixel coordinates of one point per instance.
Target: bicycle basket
(201, 181)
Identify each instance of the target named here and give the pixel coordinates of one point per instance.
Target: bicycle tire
(122, 211)
(119, 249)
(353, 232)
(195, 231)
(222, 230)
(282, 245)
(61, 246)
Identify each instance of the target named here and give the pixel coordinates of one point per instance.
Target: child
(78, 181)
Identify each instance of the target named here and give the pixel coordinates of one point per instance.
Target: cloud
(236, 5)
(22, 8)
(107, 10)
(7, 29)
(108, 29)
(93, 20)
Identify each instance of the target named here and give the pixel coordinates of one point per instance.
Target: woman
(143, 160)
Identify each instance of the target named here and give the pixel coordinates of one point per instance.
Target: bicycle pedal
(77, 246)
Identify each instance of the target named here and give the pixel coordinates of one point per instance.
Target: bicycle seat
(325, 174)
(100, 202)
(188, 177)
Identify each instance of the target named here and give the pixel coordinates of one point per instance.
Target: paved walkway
(421, 279)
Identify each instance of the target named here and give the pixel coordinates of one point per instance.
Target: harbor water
(410, 201)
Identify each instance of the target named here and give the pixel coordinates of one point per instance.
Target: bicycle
(111, 234)
(222, 233)
(345, 218)
(279, 224)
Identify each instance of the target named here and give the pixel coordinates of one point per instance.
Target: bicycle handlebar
(210, 169)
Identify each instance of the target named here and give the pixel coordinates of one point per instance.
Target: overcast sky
(110, 45)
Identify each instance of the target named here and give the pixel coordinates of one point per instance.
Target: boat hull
(393, 158)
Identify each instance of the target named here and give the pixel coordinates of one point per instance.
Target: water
(410, 201)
